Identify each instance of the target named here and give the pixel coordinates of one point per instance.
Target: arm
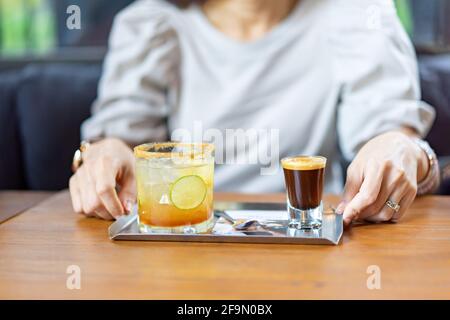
(379, 116)
(140, 77)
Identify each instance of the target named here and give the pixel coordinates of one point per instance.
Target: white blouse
(331, 76)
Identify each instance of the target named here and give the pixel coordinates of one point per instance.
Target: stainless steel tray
(275, 230)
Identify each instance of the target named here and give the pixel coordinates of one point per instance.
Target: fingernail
(129, 205)
(340, 208)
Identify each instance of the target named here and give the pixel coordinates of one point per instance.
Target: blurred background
(37, 28)
(49, 75)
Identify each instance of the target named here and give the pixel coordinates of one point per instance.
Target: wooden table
(37, 246)
(13, 203)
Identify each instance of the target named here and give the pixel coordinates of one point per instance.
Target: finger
(340, 207)
(366, 195)
(386, 190)
(405, 204)
(127, 194)
(102, 213)
(386, 213)
(75, 194)
(90, 201)
(351, 188)
(353, 184)
(93, 204)
(105, 186)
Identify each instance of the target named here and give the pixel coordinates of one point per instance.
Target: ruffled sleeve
(376, 70)
(140, 76)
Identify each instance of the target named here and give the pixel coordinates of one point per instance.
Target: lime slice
(188, 192)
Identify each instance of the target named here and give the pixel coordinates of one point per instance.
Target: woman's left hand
(386, 168)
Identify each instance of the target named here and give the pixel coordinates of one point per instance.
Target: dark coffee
(304, 178)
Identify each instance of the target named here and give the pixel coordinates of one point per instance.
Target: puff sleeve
(376, 68)
(140, 76)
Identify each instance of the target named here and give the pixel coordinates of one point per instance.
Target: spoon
(240, 226)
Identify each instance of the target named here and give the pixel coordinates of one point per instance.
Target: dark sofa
(42, 107)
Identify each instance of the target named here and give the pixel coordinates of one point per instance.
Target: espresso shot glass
(304, 178)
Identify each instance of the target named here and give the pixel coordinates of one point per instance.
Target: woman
(327, 75)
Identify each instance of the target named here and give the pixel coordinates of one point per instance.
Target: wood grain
(12, 205)
(37, 246)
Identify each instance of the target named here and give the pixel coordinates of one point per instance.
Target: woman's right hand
(104, 185)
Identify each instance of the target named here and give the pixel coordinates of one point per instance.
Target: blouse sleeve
(140, 76)
(377, 73)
